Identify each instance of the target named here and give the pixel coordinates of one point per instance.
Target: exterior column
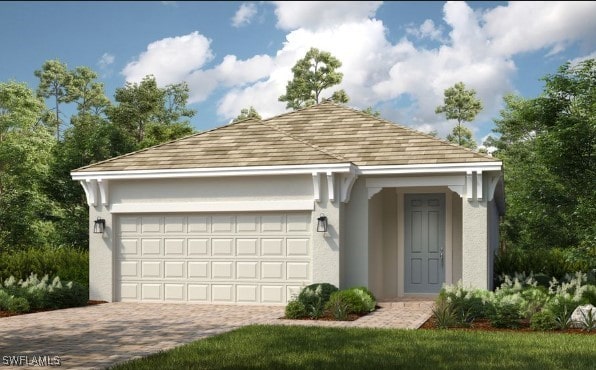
(101, 271)
(475, 244)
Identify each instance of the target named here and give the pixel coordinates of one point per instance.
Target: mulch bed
(484, 325)
(7, 314)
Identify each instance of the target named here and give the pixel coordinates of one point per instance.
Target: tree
(86, 92)
(548, 146)
(314, 73)
(54, 79)
(460, 104)
(150, 114)
(246, 113)
(372, 112)
(462, 135)
(25, 154)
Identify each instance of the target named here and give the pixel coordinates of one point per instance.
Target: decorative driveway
(98, 336)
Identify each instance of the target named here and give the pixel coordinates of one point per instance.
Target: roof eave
(214, 172)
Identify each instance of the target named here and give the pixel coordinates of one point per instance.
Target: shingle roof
(325, 133)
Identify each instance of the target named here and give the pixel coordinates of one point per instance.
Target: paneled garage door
(218, 258)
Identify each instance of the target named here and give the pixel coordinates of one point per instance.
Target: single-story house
(252, 211)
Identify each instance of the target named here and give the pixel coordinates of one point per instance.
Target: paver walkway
(98, 336)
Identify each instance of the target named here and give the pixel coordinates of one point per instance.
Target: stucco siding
(355, 246)
(101, 259)
(375, 244)
(493, 239)
(297, 187)
(326, 246)
(456, 237)
(390, 262)
(475, 244)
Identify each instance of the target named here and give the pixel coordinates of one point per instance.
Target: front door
(424, 242)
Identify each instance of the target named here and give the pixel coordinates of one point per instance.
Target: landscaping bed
(519, 304)
(8, 313)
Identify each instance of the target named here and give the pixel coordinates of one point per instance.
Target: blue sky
(397, 56)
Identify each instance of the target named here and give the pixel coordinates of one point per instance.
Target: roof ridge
(166, 143)
(316, 147)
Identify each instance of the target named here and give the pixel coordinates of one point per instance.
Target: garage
(212, 258)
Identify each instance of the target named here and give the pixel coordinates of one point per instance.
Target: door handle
(442, 257)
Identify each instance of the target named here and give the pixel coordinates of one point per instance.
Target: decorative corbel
(316, 183)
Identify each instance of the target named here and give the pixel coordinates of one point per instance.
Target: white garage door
(218, 258)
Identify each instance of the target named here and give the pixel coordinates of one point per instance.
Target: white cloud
(314, 15)
(427, 30)
(528, 26)
(244, 14)
(476, 48)
(576, 61)
(170, 59)
(105, 60)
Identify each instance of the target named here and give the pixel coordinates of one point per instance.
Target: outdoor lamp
(322, 224)
(99, 226)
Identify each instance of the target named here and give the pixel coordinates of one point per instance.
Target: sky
(397, 57)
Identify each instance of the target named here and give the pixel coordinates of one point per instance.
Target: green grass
(274, 347)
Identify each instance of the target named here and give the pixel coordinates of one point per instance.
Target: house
(233, 214)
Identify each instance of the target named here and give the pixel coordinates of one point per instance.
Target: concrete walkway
(99, 336)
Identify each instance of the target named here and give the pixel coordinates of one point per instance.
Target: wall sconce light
(99, 226)
(322, 224)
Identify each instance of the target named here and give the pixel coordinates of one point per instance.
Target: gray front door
(424, 242)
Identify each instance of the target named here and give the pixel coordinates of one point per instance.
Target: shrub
(543, 320)
(69, 263)
(589, 320)
(465, 305)
(314, 297)
(443, 313)
(339, 307)
(18, 305)
(368, 301)
(41, 294)
(367, 291)
(295, 310)
(589, 295)
(506, 311)
(350, 298)
(562, 306)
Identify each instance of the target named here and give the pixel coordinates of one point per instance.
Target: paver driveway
(102, 335)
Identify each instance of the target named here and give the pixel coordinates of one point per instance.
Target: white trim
(479, 194)
(346, 183)
(331, 186)
(227, 206)
(316, 185)
(214, 172)
(103, 191)
(492, 186)
(430, 168)
(415, 181)
(90, 191)
(448, 263)
(372, 191)
(469, 185)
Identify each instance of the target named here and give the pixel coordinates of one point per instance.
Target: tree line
(547, 145)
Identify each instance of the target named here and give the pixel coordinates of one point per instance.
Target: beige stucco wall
(493, 239)
(456, 224)
(101, 259)
(326, 246)
(391, 268)
(475, 244)
(298, 187)
(375, 244)
(355, 241)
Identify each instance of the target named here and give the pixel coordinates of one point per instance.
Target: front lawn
(274, 347)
